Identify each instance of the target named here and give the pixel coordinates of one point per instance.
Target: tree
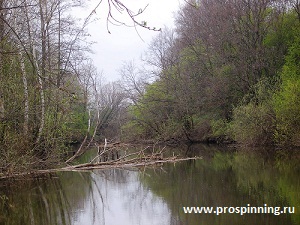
(220, 64)
(43, 50)
(287, 100)
(134, 81)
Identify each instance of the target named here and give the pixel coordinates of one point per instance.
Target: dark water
(155, 196)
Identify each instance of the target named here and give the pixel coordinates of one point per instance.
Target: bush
(253, 124)
(220, 127)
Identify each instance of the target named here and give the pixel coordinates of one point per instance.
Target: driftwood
(131, 160)
(126, 164)
(97, 166)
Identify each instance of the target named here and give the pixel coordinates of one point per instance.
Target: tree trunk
(26, 98)
(1, 62)
(42, 95)
(43, 39)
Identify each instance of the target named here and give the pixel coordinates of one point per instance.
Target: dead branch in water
(125, 164)
(131, 160)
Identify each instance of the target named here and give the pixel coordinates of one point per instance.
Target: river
(224, 177)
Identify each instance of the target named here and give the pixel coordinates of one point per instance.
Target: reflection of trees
(79, 198)
(228, 179)
(99, 191)
(45, 201)
(222, 178)
(133, 198)
(288, 183)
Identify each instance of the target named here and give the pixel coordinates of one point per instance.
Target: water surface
(155, 196)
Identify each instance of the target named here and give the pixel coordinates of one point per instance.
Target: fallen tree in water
(143, 158)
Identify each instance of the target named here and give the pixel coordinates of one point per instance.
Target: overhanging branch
(121, 7)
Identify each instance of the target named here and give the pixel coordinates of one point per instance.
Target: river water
(224, 177)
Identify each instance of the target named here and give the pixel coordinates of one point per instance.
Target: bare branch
(121, 7)
(18, 6)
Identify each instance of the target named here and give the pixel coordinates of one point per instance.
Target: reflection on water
(118, 197)
(157, 195)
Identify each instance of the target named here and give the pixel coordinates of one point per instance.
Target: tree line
(229, 70)
(51, 95)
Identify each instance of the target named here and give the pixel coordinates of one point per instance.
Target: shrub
(253, 124)
(220, 127)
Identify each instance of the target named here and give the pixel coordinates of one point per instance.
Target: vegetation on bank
(51, 95)
(229, 70)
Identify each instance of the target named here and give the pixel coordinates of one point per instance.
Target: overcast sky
(124, 44)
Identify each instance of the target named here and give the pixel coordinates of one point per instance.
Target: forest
(228, 72)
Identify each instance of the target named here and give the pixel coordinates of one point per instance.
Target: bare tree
(231, 33)
(133, 81)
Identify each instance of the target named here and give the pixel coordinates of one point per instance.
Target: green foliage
(77, 122)
(150, 115)
(225, 74)
(287, 99)
(271, 112)
(220, 127)
(133, 131)
(282, 33)
(43, 98)
(64, 119)
(253, 124)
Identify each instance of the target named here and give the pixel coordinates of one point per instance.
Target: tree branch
(121, 7)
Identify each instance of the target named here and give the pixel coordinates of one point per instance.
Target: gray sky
(124, 44)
